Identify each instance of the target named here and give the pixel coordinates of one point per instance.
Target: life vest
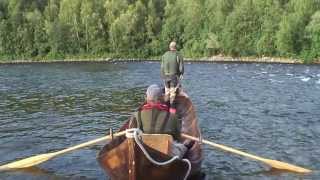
(159, 106)
(155, 118)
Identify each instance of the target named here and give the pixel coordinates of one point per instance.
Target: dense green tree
(128, 31)
(143, 28)
(216, 13)
(173, 26)
(139, 29)
(290, 36)
(57, 43)
(313, 36)
(3, 28)
(242, 29)
(114, 8)
(38, 38)
(7, 49)
(193, 20)
(155, 17)
(3, 9)
(15, 12)
(69, 19)
(154, 20)
(51, 11)
(14, 28)
(270, 16)
(92, 25)
(120, 30)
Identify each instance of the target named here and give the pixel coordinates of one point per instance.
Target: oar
(35, 160)
(273, 163)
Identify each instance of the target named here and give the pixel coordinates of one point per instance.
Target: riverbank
(213, 59)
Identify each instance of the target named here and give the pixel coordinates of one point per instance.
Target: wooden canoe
(122, 159)
(117, 150)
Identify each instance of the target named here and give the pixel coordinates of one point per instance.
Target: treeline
(49, 29)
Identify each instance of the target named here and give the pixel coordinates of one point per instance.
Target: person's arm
(162, 68)
(181, 64)
(178, 128)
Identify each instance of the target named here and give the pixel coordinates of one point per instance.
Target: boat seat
(159, 142)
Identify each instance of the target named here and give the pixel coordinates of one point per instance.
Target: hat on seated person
(153, 93)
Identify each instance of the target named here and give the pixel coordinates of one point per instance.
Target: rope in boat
(135, 132)
(189, 168)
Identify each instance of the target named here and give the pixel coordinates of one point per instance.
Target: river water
(270, 110)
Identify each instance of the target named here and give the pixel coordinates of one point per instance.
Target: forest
(59, 29)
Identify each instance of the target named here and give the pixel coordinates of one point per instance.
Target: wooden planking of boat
(148, 156)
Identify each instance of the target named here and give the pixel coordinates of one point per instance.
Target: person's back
(156, 119)
(171, 64)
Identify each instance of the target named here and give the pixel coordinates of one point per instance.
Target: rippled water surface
(271, 110)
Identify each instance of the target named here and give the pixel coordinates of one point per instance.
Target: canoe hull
(117, 158)
(118, 150)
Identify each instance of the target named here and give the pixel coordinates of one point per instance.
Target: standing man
(172, 70)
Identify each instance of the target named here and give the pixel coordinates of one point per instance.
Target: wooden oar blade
(27, 162)
(35, 160)
(286, 166)
(273, 163)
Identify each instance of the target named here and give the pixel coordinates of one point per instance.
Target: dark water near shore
(271, 110)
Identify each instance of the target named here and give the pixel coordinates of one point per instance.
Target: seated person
(154, 117)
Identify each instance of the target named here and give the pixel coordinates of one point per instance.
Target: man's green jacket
(172, 64)
(155, 121)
